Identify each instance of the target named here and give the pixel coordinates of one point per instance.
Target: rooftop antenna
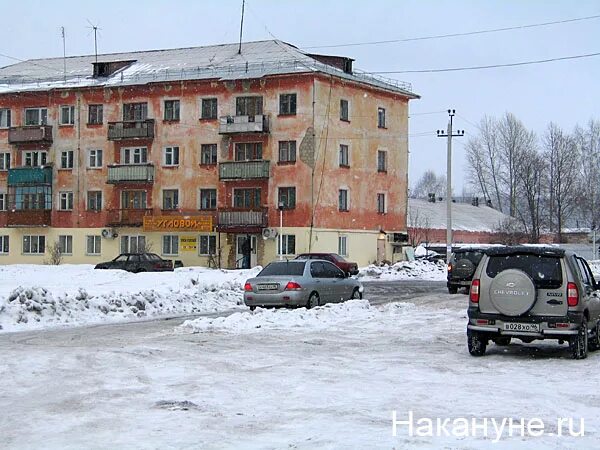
(95, 28)
(62, 30)
(241, 27)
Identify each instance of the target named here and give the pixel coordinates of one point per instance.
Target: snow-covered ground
(40, 296)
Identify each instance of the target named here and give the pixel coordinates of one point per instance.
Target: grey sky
(566, 92)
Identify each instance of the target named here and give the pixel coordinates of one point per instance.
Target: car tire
(313, 301)
(594, 341)
(578, 344)
(502, 341)
(356, 294)
(453, 290)
(252, 308)
(476, 342)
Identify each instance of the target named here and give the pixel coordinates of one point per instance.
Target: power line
(468, 33)
(490, 66)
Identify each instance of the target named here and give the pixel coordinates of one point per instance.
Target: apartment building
(188, 152)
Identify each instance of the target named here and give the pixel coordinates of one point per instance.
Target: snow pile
(301, 319)
(405, 270)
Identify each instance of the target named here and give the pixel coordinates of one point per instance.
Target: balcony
(244, 170)
(241, 220)
(244, 124)
(131, 173)
(128, 217)
(135, 129)
(29, 218)
(30, 176)
(36, 134)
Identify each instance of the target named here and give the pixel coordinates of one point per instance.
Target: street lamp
(280, 207)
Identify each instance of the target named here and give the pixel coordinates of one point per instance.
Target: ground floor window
(208, 244)
(93, 245)
(34, 245)
(65, 245)
(133, 244)
(4, 248)
(287, 244)
(343, 245)
(170, 245)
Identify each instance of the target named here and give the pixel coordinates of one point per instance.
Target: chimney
(475, 201)
(431, 197)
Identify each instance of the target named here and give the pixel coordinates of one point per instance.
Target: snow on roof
(465, 217)
(257, 59)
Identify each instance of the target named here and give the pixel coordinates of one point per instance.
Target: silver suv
(531, 292)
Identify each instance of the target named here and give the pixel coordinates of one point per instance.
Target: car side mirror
(340, 275)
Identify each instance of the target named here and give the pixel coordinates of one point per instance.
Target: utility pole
(449, 135)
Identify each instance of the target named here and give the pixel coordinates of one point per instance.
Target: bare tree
(532, 189)
(419, 227)
(587, 141)
(429, 183)
(56, 255)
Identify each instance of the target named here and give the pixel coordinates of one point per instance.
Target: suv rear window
(474, 257)
(545, 271)
(283, 268)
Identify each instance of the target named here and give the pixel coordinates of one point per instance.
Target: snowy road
(331, 382)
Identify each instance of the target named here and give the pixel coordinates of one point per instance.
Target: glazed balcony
(30, 176)
(131, 173)
(29, 218)
(242, 219)
(258, 123)
(244, 170)
(134, 129)
(127, 217)
(36, 134)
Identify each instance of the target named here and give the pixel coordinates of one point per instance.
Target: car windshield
(545, 271)
(283, 268)
(474, 257)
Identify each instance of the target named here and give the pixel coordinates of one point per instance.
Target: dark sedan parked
(138, 262)
(348, 267)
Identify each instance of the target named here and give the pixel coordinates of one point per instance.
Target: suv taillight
(474, 291)
(572, 294)
(449, 267)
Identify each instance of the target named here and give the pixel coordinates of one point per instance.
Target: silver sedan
(307, 283)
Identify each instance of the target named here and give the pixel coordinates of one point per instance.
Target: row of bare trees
(547, 182)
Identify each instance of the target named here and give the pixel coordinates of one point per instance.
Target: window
(287, 197)
(3, 201)
(133, 199)
(35, 158)
(287, 104)
(287, 151)
(171, 110)
(135, 111)
(344, 110)
(4, 117)
(248, 106)
(133, 244)
(246, 198)
(170, 199)
(66, 159)
(208, 199)
(66, 201)
(287, 244)
(138, 155)
(381, 117)
(208, 244)
(95, 114)
(170, 245)
(36, 116)
(4, 161)
(343, 200)
(93, 245)
(381, 161)
(65, 245)
(94, 159)
(208, 154)
(343, 245)
(381, 203)
(209, 108)
(171, 156)
(94, 200)
(67, 115)
(248, 151)
(34, 245)
(4, 247)
(343, 159)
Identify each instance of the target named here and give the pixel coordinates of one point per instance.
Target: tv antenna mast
(241, 27)
(95, 28)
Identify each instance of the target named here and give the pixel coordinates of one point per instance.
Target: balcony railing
(244, 124)
(127, 217)
(29, 218)
(36, 134)
(244, 170)
(242, 219)
(135, 129)
(131, 173)
(30, 176)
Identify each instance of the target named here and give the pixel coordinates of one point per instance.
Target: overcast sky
(566, 92)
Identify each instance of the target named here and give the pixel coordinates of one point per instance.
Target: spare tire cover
(463, 268)
(512, 292)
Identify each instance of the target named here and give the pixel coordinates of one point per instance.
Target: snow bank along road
(324, 378)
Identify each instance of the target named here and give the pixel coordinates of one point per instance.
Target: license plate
(525, 327)
(267, 286)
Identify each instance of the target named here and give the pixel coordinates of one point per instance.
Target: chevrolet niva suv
(461, 268)
(531, 292)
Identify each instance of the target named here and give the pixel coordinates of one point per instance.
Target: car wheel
(504, 340)
(579, 343)
(313, 301)
(356, 294)
(452, 290)
(476, 343)
(252, 308)
(594, 341)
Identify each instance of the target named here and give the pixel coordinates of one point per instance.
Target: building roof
(465, 217)
(223, 62)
